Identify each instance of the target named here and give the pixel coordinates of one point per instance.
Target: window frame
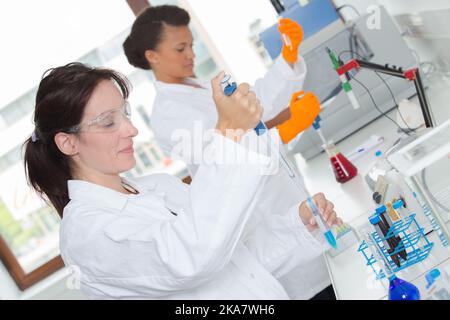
(21, 278)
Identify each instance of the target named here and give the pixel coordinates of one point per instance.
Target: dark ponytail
(147, 30)
(60, 102)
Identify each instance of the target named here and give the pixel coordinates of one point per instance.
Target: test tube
(400, 208)
(394, 240)
(381, 210)
(413, 230)
(393, 214)
(382, 230)
(287, 41)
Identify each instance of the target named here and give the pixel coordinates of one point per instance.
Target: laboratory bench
(353, 279)
(350, 276)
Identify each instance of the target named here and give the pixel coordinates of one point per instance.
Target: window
(144, 116)
(18, 109)
(31, 238)
(10, 158)
(205, 68)
(148, 157)
(29, 231)
(155, 154)
(145, 161)
(29, 228)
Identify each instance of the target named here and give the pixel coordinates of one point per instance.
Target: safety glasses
(108, 121)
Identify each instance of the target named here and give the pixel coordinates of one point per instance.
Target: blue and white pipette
(228, 89)
(316, 126)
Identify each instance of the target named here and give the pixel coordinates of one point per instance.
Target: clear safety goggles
(108, 121)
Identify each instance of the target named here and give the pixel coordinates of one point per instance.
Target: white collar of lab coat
(163, 86)
(98, 195)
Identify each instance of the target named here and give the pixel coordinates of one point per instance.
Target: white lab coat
(134, 247)
(182, 107)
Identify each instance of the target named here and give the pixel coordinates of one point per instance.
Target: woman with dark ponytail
(60, 104)
(161, 41)
(154, 237)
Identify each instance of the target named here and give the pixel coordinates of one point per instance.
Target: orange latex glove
(303, 113)
(294, 32)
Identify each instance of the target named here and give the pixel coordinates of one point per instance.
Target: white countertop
(351, 278)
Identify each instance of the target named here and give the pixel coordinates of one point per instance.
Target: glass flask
(343, 169)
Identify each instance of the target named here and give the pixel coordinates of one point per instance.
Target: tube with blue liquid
(228, 89)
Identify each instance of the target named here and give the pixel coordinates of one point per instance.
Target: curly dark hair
(147, 30)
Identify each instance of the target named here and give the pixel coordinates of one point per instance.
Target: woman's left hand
(294, 32)
(326, 209)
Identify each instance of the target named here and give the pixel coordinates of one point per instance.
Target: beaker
(343, 169)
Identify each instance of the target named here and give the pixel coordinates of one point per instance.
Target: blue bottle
(400, 289)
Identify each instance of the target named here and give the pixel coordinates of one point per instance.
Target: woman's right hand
(237, 113)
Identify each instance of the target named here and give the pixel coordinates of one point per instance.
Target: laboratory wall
(425, 24)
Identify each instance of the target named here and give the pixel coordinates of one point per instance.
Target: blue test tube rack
(414, 241)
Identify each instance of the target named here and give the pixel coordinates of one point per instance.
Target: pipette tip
(330, 238)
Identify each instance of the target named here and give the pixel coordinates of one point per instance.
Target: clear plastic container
(438, 285)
